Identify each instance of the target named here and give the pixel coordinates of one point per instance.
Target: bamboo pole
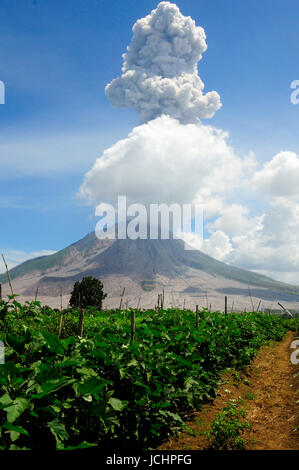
(132, 325)
(0, 292)
(60, 298)
(122, 292)
(197, 317)
(225, 305)
(251, 298)
(81, 322)
(60, 324)
(36, 292)
(8, 275)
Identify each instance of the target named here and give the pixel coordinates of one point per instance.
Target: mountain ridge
(139, 259)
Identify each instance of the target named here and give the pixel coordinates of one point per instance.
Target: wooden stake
(60, 324)
(81, 322)
(0, 292)
(60, 298)
(36, 292)
(121, 298)
(251, 298)
(197, 317)
(8, 276)
(285, 310)
(132, 325)
(225, 305)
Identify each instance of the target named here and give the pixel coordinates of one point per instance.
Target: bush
(88, 293)
(226, 429)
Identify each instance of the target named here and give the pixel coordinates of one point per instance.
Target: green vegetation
(227, 429)
(250, 396)
(107, 391)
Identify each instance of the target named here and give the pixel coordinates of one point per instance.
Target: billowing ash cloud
(160, 69)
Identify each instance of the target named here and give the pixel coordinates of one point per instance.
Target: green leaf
(86, 371)
(57, 428)
(17, 429)
(52, 342)
(5, 399)
(83, 445)
(18, 406)
(133, 363)
(92, 386)
(117, 404)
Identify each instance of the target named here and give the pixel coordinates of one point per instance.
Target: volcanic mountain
(144, 268)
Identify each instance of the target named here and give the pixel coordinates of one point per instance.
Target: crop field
(130, 380)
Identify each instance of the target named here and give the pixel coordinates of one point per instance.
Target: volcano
(144, 268)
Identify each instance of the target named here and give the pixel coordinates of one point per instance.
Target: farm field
(122, 384)
(266, 390)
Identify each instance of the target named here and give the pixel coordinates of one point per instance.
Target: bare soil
(268, 391)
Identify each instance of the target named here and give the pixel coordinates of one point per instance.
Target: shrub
(88, 293)
(226, 429)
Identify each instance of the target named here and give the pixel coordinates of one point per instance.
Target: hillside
(141, 261)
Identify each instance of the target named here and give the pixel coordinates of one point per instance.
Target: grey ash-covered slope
(138, 259)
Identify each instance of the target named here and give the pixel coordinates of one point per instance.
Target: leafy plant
(227, 429)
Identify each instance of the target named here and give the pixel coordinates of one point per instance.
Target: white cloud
(160, 69)
(165, 161)
(218, 245)
(15, 257)
(279, 176)
(267, 244)
(235, 220)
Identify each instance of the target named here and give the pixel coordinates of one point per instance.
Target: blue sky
(57, 56)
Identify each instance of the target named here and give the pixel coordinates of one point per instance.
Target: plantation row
(107, 391)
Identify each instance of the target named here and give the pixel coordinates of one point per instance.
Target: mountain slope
(139, 259)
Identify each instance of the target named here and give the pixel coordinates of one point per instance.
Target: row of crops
(106, 391)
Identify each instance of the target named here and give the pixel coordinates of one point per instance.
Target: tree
(88, 293)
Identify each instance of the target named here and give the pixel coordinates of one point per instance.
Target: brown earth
(267, 391)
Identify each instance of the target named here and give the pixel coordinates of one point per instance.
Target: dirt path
(267, 392)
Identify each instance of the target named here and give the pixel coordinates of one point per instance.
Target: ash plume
(159, 73)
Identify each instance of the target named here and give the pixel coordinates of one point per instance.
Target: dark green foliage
(88, 293)
(104, 390)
